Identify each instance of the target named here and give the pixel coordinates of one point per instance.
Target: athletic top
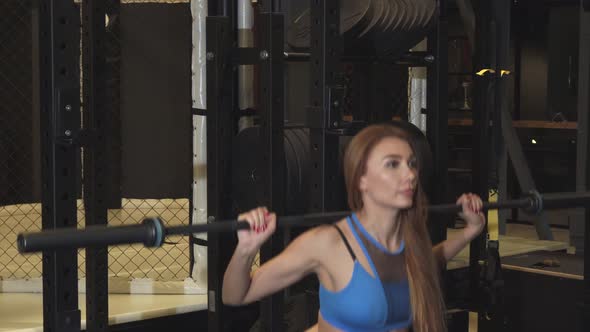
(370, 304)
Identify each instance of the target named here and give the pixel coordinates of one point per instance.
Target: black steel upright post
(270, 6)
(482, 101)
(502, 14)
(112, 54)
(493, 96)
(95, 122)
(220, 129)
(271, 110)
(277, 6)
(583, 150)
(265, 6)
(59, 100)
(226, 8)
(517, 35)
(326, 93)
(437, 114)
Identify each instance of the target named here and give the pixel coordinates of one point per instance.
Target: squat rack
(322, 119)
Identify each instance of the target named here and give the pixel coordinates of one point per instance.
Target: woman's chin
(403, 205)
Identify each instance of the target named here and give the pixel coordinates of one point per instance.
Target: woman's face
(391, 174)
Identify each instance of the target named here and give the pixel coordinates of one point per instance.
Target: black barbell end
(150, 233)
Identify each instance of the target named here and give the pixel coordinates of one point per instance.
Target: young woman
(377, 268)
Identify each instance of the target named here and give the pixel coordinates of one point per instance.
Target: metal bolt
(68, 133)
(68, 108)
(429, 58)
(335, 124)
(210, 56)
(336, 103)
(264, 54)
(210, 219)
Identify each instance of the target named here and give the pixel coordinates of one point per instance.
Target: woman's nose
(410, 173)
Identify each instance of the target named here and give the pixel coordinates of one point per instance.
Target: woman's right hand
(262, 226)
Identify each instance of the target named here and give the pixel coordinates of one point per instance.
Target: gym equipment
(152, 232)
(369, 23)
(248, 173)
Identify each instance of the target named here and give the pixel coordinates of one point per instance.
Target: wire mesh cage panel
(20, 167)
(171, 261)
(17, 134)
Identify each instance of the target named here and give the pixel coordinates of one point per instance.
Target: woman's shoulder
(323, 236)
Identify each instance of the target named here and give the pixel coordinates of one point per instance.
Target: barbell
(152, 232)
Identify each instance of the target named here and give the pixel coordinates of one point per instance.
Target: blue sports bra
(366, 303)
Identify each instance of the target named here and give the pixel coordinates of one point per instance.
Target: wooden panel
(509, 246)
(24, 313)
(568, 266)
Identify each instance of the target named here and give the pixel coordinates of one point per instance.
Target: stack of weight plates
(249, 172)
(377, 27)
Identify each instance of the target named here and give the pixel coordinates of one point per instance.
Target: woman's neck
(383, 225)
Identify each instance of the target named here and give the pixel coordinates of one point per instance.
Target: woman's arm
(449, 248)
(295, 262)
(475, 220)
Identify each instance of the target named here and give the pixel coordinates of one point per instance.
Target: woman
(376, 268)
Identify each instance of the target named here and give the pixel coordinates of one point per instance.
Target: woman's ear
(363, 183)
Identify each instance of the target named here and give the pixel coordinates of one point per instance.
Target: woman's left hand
(472, 214)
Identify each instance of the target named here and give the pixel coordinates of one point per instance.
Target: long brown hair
(423, 275)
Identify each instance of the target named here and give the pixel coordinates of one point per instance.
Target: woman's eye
(413, 164)
(392, 163)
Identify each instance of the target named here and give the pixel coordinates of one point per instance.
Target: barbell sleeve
(150, 233)
(565, 200)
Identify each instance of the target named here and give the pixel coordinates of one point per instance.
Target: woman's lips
(408, 192)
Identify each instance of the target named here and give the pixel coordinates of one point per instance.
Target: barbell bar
(152, 232)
